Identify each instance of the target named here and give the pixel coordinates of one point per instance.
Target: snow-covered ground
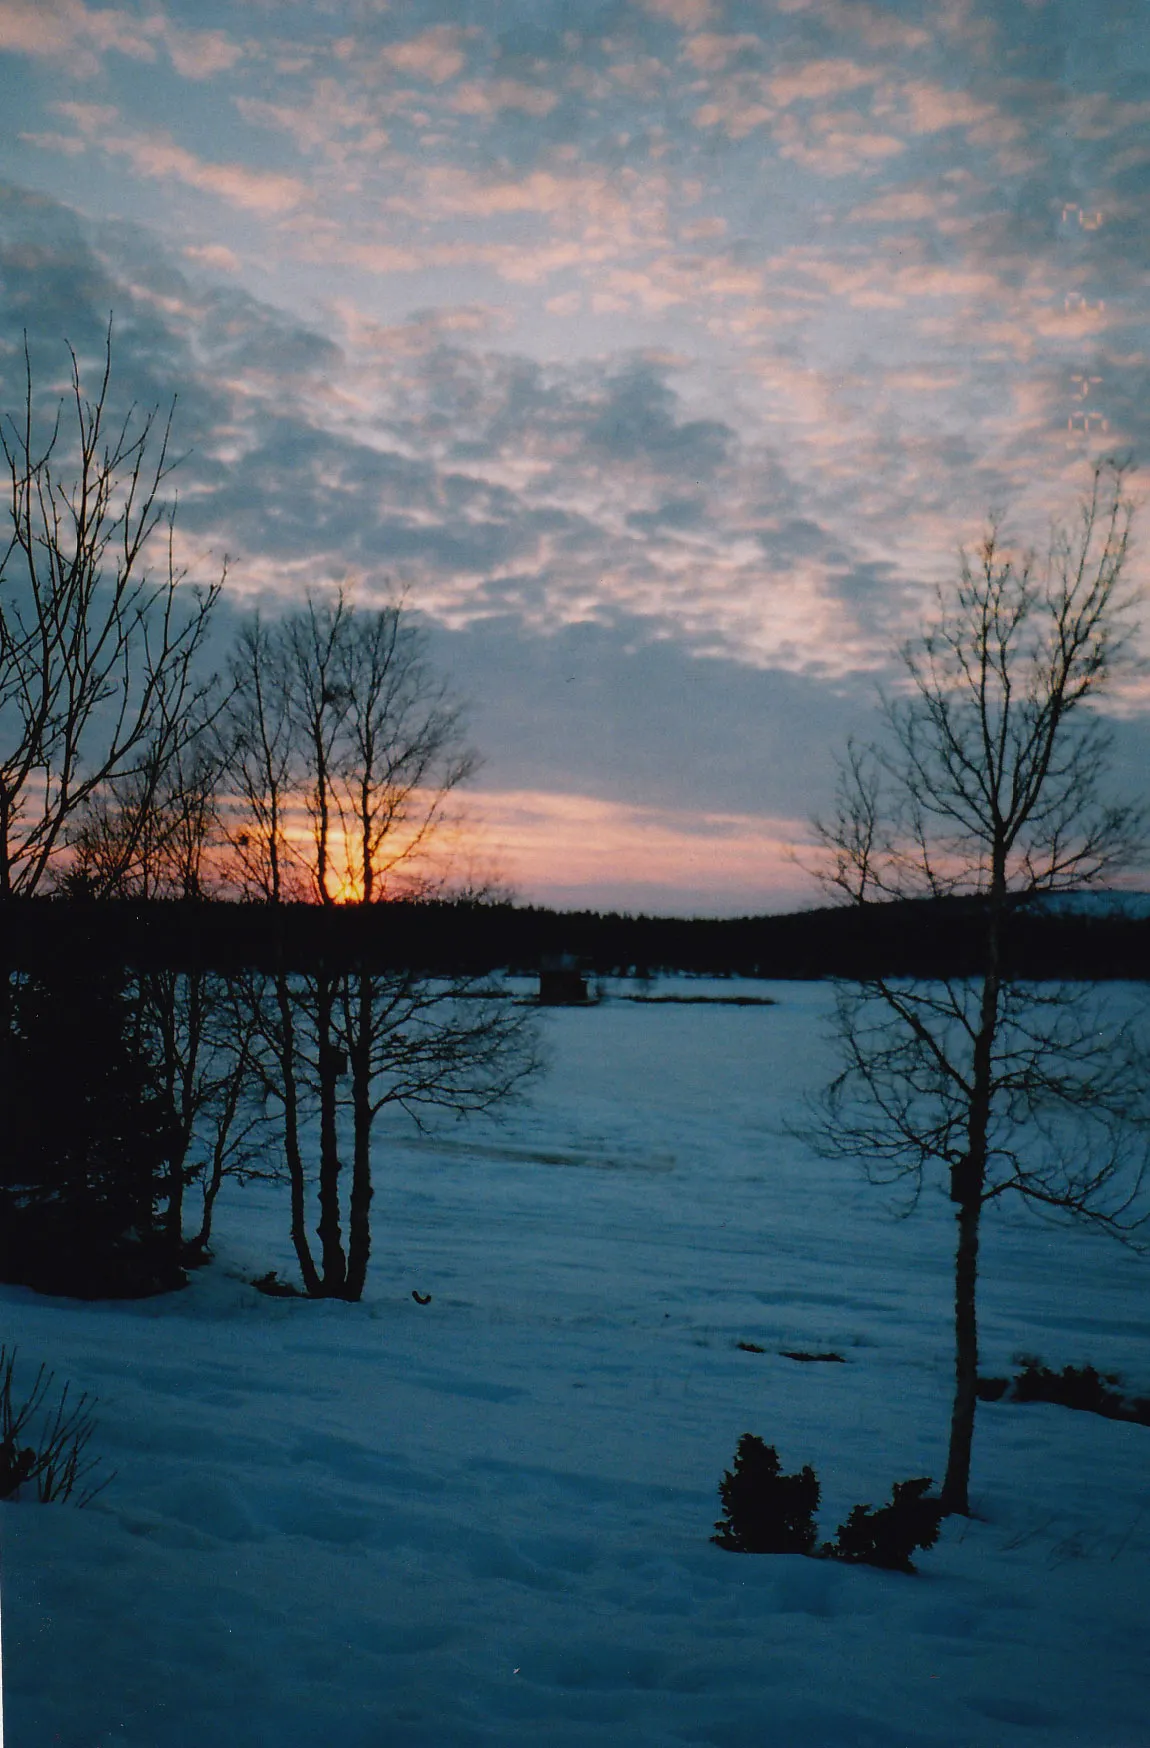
(486, 1520)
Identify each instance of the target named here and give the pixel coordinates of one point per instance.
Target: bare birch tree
(313, 643)
(99, 636)
(991, 782)
(337, 713)
(259, 752)
(404, 753)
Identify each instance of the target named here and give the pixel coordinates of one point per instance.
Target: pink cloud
(934, 108)
(69, 144)
(921, 381)
(333, 122)
(69, 30)
(379, 257)
(869, 283)
(912, 206)
(197, 54)
(702, 230)
(834, 144)
(710, 53)
(818, 79)
(250, 190)
(879, 29)
(91, 118)
(630, 288)
(213, 255)
(490, 98)
(687, 14)
(736, 119)
(156, 155)
(574, 197)
(435, 55)
(831, 142)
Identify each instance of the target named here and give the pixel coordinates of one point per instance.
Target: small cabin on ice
(561, 983)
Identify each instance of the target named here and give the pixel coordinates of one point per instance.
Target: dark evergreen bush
(1073, 1387)
(889, 1536)
(765, 1511)
(85, 1141)
(1081, 1387)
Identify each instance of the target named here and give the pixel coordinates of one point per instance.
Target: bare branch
(99, 658)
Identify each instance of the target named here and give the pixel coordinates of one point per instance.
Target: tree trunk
(195, 991)
(174, 1212)
(330, 1063)
(311, 1281)
(6, 969)
(967, 1182)
(323, 823)
(5, 837)
(225, 1118)
(162, 992)
(359, 1210)
(956, 1486)
(197, 1247)
(7, 1016)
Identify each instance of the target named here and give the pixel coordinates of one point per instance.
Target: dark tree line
(926, 937)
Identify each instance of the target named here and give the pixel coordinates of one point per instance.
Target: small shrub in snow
(1081, 1387)
(889, 1536)
(53, 1458)
(1073, 1387)
(765, 1511)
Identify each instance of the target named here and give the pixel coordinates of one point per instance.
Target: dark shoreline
(936, 938)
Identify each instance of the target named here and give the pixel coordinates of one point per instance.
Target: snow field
(486, 1520)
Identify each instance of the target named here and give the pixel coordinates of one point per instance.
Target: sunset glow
(579, 850)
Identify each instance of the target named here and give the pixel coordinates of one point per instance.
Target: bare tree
(337, 1046)
(148, 839)
(203, 1043)
(98, 651)
(404, 753)
(990, 783)
(339, 707)
(150, 833)
(313, 643)
(256, 729)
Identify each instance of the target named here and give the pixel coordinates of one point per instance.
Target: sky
(660, 353)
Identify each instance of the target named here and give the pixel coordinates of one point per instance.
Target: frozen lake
(485, 1520)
